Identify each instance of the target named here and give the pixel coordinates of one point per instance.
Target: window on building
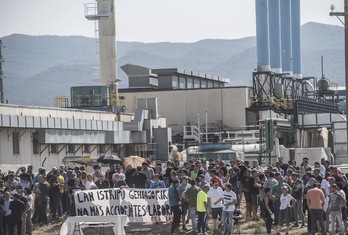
(15, 143)
(210, 83)
(216, 84)
(36, 145)
(54, 148)
(175, 82)
(196, 83)
(182, 83)
(71, 148)
(189, 83)
(86, 148)
(101, 148)
(204, 83)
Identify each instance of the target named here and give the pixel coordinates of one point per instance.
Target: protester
(174, 200)
(191, 196)
(157, 183)
(315, 200)
(286, 202)
(337, 202)
(229, 201)
(17, 208)
(215, 198)
(184, 203)
(202, 209)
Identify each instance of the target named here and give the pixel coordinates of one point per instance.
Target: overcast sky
(150, 20)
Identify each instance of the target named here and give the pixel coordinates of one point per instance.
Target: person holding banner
(174, 201)
(202, 208)
(157, 183)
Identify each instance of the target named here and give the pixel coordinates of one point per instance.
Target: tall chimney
(107, 47)
(262, 40)
(286, 38)
(296, 38)
(275, 36)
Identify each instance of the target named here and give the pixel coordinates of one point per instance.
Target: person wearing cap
(286, 202)
(190, 196)
(17, 208)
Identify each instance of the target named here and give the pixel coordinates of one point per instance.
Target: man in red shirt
(315, 200)
(214, 177)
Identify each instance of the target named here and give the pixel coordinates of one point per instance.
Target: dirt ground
(245, 227)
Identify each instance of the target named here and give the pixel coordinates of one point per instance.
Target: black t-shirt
(284, 167)
(17, 208)
(243, 169)
(120, 183)
(25, 178)
(245, 182)
(297, 194)
(252, 188)
(54, 180)
(138, 179)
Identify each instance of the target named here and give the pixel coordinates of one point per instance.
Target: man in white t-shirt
(325, 185)
(229, 200)
(215, 197)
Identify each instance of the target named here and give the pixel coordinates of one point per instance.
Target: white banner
(140, 205)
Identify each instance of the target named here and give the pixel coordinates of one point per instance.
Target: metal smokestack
(286, 38)
(275, 36)
(296, 38)
(262, 40)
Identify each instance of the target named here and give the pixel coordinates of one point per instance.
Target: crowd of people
(199, 191)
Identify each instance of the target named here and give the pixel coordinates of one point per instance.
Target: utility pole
(1, 75)
(345, 15)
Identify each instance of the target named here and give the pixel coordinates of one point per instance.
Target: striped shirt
(228, 198)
